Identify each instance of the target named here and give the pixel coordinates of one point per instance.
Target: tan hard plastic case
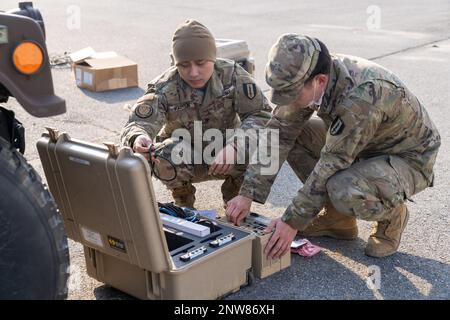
(261, 266)
(108, 204)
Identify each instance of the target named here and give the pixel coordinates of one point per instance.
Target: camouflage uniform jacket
(368, 112)
(231, 99)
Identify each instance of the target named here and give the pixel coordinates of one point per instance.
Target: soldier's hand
(280, 242)
(238, 208)
(142, 145)
(224, 161)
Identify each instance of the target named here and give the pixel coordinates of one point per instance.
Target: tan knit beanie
(193, 41)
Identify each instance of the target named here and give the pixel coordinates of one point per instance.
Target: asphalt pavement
(412, 38)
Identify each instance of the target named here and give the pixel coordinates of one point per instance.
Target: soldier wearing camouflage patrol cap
(200, 87)
(371, 148)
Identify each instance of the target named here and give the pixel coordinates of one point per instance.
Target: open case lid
(108, 196)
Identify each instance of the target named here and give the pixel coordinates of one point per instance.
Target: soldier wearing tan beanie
(193, 41)
(218, 93)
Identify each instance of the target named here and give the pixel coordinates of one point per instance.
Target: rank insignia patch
(249, 90)
(337, 127)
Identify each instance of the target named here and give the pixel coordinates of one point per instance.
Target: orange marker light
(28, 57)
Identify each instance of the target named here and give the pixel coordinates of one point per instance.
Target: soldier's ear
(322, 79)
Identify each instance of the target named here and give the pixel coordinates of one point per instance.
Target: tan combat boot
(386, 235)
(331, 223)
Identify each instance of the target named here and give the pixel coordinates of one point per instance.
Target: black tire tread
(12, 161)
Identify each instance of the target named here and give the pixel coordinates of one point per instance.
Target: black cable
(153, 152)
(173, 208)
(179, 212)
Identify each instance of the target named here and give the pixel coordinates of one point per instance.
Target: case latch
(53, 133)
(112, 148)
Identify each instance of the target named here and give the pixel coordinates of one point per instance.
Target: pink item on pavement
(307, 249)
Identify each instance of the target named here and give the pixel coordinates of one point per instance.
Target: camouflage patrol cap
(292, 60)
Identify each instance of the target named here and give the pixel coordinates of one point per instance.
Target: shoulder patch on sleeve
(144, 110)
(249, 90)
(337, 126)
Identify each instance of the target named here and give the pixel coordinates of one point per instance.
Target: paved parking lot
(409, 37)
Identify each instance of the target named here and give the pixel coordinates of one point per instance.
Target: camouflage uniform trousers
(369, 189)
(182, 188)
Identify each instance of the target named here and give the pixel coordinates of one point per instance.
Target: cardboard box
(103, 70)
(236, 50)
(232, 49)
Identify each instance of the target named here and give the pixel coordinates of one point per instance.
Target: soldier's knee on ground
(354, 197)
(372, 188)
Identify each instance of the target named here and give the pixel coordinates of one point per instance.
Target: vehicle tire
(34, 254)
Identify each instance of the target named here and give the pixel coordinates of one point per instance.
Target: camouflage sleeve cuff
(294, 220)
(251, 194)
(129, 139)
